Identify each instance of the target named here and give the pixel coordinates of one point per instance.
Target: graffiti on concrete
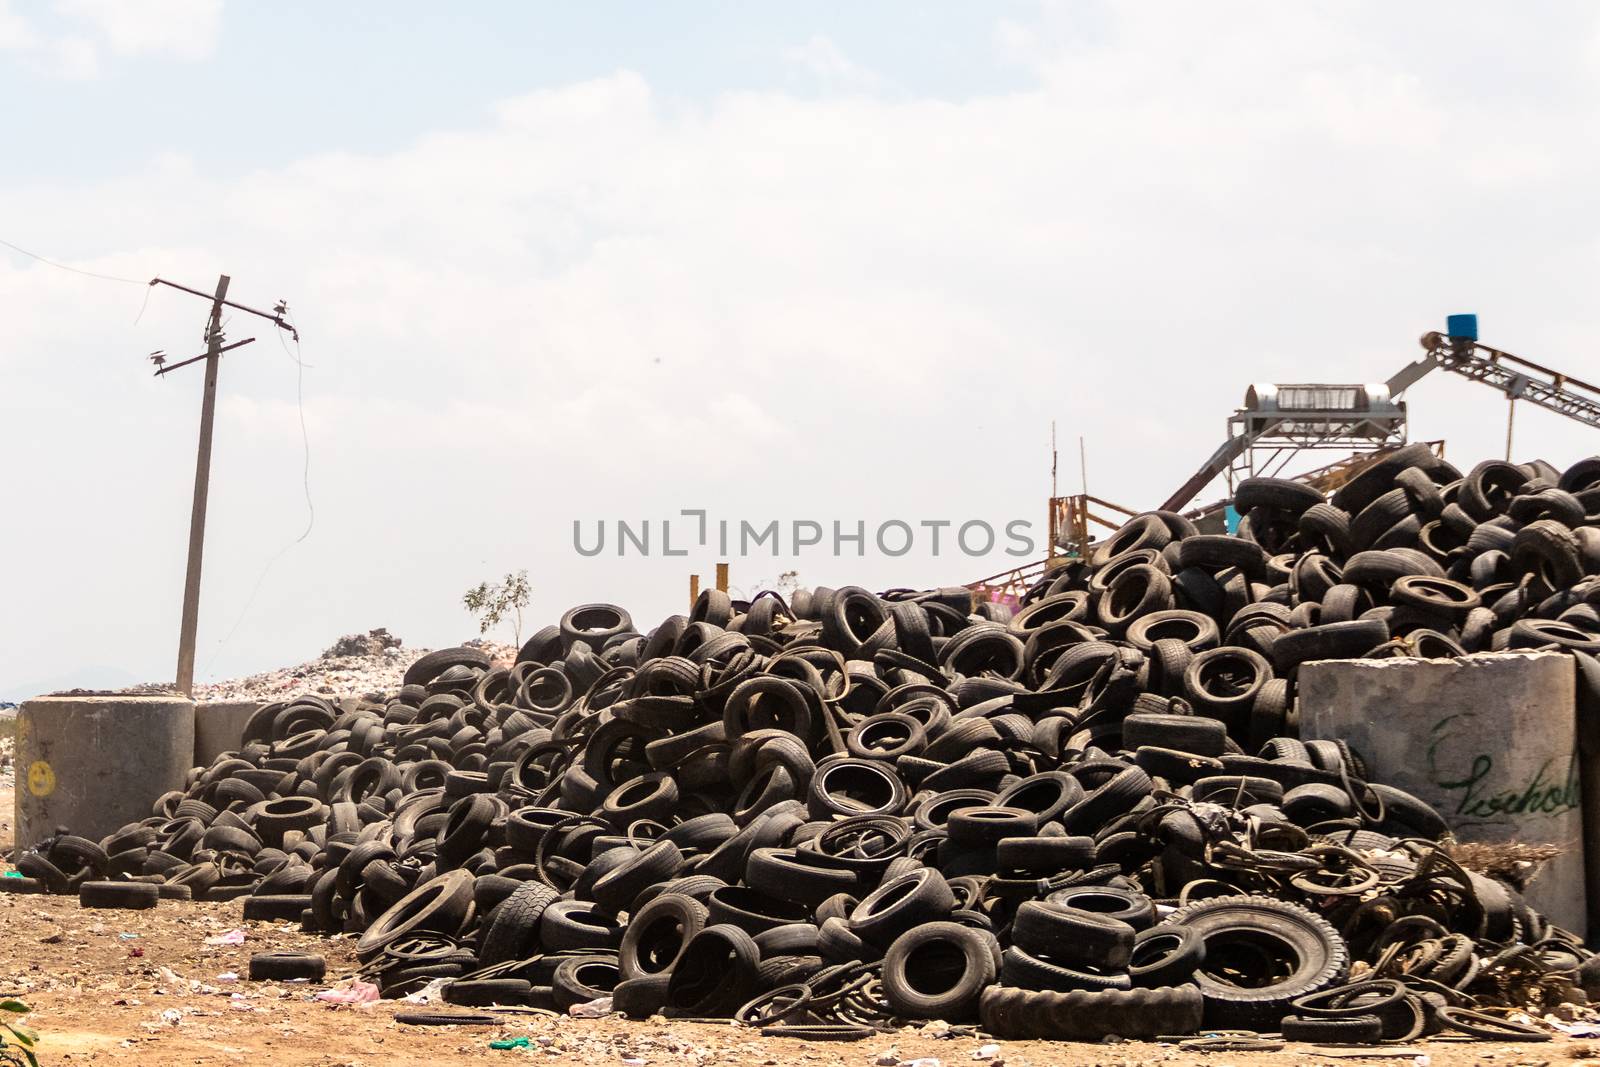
(1550, 790)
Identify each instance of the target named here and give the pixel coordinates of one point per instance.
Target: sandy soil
(143, 989)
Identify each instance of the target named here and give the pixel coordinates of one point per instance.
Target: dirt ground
(144, 990)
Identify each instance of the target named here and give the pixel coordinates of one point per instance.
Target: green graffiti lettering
(1538, 794)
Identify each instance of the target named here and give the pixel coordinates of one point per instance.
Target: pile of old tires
(1088, 818)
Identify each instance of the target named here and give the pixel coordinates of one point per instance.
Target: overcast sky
(557, 262)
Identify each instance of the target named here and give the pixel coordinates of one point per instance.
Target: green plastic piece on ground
(12, 874)
(513, 1042)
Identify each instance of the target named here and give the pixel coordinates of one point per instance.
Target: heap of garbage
(369, 663)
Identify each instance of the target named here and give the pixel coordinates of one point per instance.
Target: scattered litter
(889, 1057)
(509, 1042)
(354, 991)
(986, 1052)
(1345, 1052)
(922, 1061)
(446, 1018)
(227, 976)
(136, 953)
(232, 937)
(12, 874)
(127, 937)
(429, 993)
(1231, 1043)
(634, 1061)
(598, 1008)
(172, 1016)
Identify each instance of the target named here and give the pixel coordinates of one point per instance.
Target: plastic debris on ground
(428, 994)
(353, 991)
(509, 1042)
(598, 1008)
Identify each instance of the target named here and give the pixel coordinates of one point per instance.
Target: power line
(311, 511)
(305, 437)
(75, 270)
(148, 286)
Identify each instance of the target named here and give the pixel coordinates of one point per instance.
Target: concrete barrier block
(219, 727)
(1489, 740)
(94, 763)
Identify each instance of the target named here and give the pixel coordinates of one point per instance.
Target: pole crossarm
(204, 355)
(275, 317)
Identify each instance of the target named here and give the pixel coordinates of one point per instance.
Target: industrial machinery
(1279, 422)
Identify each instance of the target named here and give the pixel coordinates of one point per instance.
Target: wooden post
(694, 590)
(722, 577)
(202, 485)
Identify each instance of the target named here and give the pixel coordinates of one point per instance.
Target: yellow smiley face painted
(41, 779)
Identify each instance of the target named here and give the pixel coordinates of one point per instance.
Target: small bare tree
(785, 586)
(491, 604)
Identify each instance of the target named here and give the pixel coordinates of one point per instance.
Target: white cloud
(186, 29)
(16, 33)
(72, 44)
(73, 57)
(833, 70)
(608, 302)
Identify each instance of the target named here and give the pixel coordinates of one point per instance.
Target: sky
(557, 263)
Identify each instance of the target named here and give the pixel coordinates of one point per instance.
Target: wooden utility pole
(202, 487)
(202, 467)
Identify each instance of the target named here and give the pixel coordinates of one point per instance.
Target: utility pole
(202, 488)
(190, 624)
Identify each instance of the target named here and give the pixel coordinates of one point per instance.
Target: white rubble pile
(8, 749)
(354, 665)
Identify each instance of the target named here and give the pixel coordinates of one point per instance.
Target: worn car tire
(1082, 1015)
(938, 971)
(1309, 954)
(287, 967)
(134, 896)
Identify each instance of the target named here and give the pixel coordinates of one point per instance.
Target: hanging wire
(311, 511)
(75, 270)
(89, 274)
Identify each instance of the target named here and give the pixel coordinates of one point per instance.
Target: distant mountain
(94, 676)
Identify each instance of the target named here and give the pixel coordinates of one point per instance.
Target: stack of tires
(1088, 818)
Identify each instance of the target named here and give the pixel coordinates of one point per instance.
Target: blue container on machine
(1462, 326)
